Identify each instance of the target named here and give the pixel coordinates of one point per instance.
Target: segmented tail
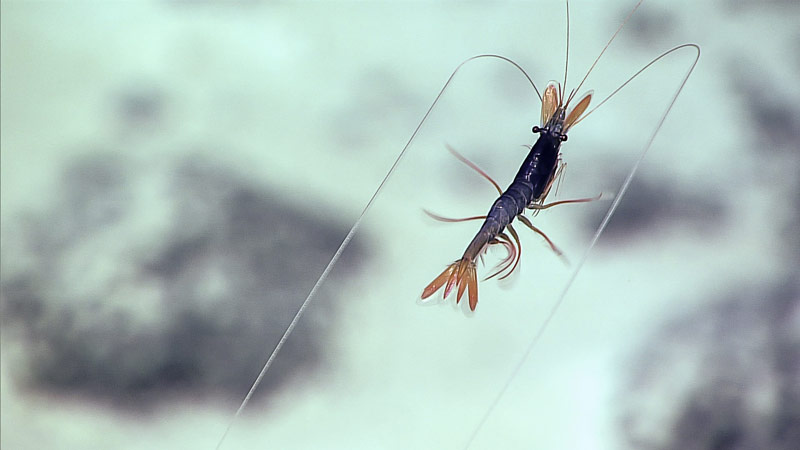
(461, 274)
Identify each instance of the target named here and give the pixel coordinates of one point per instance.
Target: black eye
(563, 138)
(536, 129)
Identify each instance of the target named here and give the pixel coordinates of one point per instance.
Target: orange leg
(511, 259)
(519, 250)
(538, 207)
(481, 172)
(474, 167)
(533, 227)
(450, 220)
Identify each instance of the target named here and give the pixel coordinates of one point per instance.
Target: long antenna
(350, 234)
(604, 50)
(622, 190)
(653, 61)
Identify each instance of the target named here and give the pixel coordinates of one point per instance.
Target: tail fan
(461, 274)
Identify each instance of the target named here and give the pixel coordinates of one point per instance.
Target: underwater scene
(176, 177)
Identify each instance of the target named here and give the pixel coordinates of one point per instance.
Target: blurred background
(177, 174)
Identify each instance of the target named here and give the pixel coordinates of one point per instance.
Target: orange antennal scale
(575, 113)
(551, 100)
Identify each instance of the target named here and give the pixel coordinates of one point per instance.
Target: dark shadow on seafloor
(724, 377)
(129, 296)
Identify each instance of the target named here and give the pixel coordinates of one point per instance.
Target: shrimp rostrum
(528, 190)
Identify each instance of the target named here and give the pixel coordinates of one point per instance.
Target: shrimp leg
(451, 220)
(539, 207)
(474, 167)
(541, 233)
(505, 241)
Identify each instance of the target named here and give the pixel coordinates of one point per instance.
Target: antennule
(566, 57)
(604, 49)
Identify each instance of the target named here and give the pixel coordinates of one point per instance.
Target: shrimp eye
(563, 138)
(536, 129)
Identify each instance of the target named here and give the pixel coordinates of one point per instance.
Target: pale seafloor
(176, 175)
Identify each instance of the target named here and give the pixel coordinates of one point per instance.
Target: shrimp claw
(461, 274)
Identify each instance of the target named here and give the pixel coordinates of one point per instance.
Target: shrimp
(528, 190)
(535, 177)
